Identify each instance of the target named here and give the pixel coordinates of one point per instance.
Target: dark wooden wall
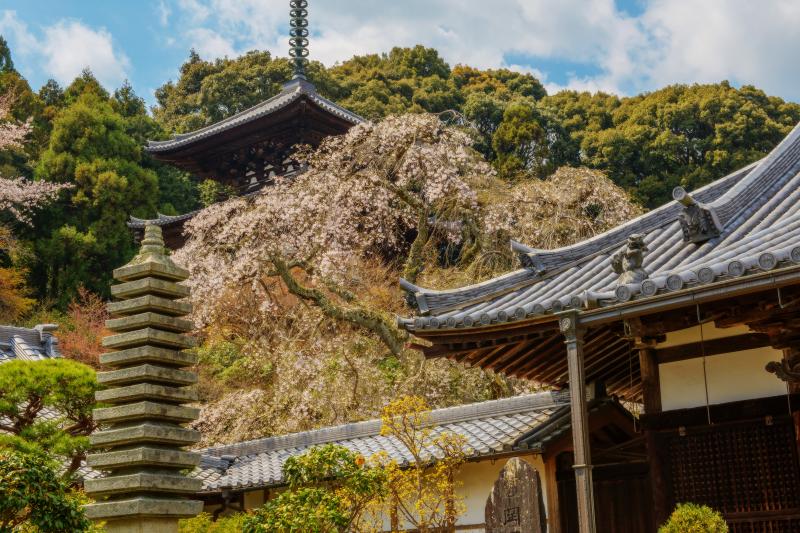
(622, 499)
(744, 464)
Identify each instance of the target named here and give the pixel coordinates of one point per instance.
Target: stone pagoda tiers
(142, 436)
(249, 149)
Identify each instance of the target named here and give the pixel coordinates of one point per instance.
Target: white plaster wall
(730, 377)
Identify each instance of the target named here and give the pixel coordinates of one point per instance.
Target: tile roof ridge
(551, 262)
(289, 93)
(368, 428)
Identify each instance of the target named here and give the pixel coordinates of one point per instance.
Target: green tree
(207, 92)
(684, 135)
(47, 406)
(33, 497)
(528, 142)
(93, 147)
(6, 64)
(329, 490)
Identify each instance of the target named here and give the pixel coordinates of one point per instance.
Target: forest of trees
(512, 153)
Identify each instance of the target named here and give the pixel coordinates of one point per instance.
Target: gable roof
(757, 210)
(292, 91)
(28, 344)
(490, 428)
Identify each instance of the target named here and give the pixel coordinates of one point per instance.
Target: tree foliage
(333, 489)
(422, 493)
(34, 497)
(679, 135)
(693, 518)
(329, 490)
(92, 149)
(47, 405)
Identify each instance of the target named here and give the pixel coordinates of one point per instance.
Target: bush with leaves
(47, 405)
(693, 518)
(205, 523)
(330, 488)
(34, 497)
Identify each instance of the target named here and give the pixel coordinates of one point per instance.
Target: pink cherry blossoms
(363, 196)
(20, 196)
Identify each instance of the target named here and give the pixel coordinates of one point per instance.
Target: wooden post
(651, 381)
(551, 483)
(573, 334)
(651, 398)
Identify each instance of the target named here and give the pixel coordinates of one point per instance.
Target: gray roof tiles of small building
(160, 220)
(29, 344)
(758, 208)
(291, 91)
(490, 428)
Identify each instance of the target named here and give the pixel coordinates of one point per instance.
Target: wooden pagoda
(249, 149)
(690, 312)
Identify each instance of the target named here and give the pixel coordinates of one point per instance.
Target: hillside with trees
(295, 288)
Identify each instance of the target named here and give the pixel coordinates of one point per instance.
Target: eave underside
(535, 350)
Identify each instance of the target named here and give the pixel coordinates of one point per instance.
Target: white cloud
(209, 44)
(17, 32)
(64, 49)
(163, 12)
(70, 46)
(669, 41)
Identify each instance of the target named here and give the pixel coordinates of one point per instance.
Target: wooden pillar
(551, 486)
(651, 381)
(573, 334)
(651, 398)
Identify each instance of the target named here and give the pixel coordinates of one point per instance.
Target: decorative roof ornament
(698, 221)
(528, 257)
(787, 370)
(298, 40)
(628, 261)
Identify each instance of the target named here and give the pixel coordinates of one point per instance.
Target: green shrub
(34, 497)
(693, 518)
(204, 523)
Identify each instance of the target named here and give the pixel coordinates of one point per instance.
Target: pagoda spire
(142, 437)
(298, 37)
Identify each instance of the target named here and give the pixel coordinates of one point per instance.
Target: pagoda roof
(292, 92)
(757, 214)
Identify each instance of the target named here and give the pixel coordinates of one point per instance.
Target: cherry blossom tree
(19, 196)
(383, 191)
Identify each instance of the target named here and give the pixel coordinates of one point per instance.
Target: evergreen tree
(93, 147)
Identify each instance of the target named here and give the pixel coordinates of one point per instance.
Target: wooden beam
(692, 350)
(553, 506)
(651, 382)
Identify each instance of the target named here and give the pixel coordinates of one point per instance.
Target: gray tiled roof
(28, 343)
(291, 92)
(490, 428)
(758, 211)
(160, 220)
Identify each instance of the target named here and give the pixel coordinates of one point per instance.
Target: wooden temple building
(249, 149)
(690, 314)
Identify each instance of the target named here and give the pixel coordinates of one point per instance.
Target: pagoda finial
(298, 40)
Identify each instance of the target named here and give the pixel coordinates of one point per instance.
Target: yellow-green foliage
(204, 523)
(693, 518)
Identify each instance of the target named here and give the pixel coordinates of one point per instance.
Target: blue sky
(622, 46)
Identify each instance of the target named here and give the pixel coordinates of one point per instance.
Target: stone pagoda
(141, 440)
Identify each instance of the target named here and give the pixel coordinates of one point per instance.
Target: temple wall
(730, 377)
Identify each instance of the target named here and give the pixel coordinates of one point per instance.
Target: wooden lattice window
(747, 470)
